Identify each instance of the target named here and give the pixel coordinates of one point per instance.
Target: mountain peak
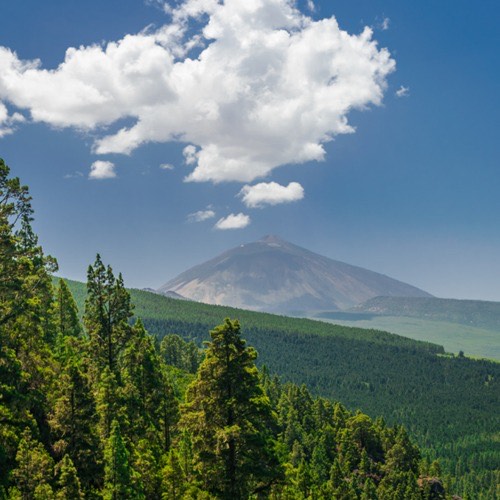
(276, 276)
(272, 239)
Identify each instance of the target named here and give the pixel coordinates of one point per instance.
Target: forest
(94, 406)
(449, 404)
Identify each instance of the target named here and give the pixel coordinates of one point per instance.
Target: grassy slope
(454, 337)
(475, 313)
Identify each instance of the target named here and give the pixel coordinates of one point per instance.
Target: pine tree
(25, 270)
(12, 409)
(117, 472)
(26, 324)
(179, 353)
(174, 481)
(66, 312)
(145, 463)
(230, 419)
(320, 464)
(369, 490)
(403, 455)
(34, 467)
(107, 313)
(109, 405)
(167, 411)
(148, 397)
(68, 484)
(73, 419)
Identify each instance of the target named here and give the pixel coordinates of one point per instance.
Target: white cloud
(311, 6)
(271, 193)
(384, 25)
(102, 170)
(190, 156)
(269, 86)
(403, 91)
(201, 215)
(8, 122)
(233, 221)
(166, 166)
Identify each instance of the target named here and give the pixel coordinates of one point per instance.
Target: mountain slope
(276, 276)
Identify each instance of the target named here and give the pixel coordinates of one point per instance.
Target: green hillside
(474, 313)
(164, 312)
(454, 337)
(450, 404)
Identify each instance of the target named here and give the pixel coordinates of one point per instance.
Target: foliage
(449, 404)
(107, 314)
(230, 419)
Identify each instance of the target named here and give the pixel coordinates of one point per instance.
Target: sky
(160, 134)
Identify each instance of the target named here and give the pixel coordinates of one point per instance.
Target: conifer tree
(66, 312)
(107, 313)
(117, 473)
(25, 270)
(179, 353)
(34, 467)
(73, 419)
(167, 411)
(174, 482)
(144, 385)
(230, 419)
(68, 484)
(369, 490)
(145, 463)
(109, 405)
(12, 408)
(403, 455)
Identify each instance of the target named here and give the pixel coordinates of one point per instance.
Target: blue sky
(412, 193)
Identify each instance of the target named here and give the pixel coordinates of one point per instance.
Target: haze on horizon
(161, 134)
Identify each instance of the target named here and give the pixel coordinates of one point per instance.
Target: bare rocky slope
(276, 276)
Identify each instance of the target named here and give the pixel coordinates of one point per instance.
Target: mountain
(276, 276)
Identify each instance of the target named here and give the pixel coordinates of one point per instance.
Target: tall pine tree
(230, 419)
(107, 314)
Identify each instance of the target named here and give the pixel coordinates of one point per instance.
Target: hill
(471, 326)
(454, 337)
(276, 276)
(450, 404)
(475, 313)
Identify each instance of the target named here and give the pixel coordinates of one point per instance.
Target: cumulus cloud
(267, 86)
(8, 122)
(166, 166)
(403, 91)
(233, 221)
(270, 193)
(384, 25)
(201, 215)
(102, 170)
